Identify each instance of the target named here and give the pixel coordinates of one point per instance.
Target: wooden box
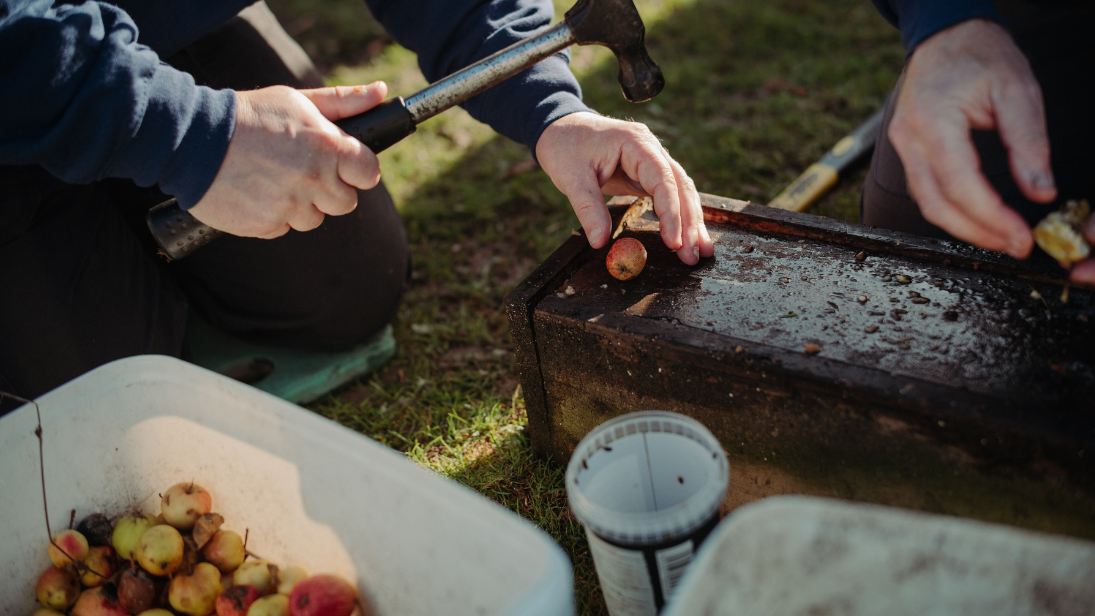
(830, 359)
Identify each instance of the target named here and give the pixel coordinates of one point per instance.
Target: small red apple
(73, 543)
(626, 258)
(100, 601)
(183, 503)
(57, 589)
(322, 595)
(225, 550)
(101, 566)
(236, 600)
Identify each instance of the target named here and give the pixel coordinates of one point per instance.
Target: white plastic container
(646, 486)
(310, 492)
(800, 555)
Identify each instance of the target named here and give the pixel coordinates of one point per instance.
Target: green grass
(756, 91)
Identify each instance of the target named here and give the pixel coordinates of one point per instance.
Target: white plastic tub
(789, 555)
(310, 491)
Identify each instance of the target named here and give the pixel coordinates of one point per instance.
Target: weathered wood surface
(957, 391)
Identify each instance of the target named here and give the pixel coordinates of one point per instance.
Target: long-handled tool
(822, 175)
(613, 23)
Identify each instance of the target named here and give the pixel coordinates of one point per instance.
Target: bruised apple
(136, 590)
(322, 595)
(57, 589)
(626, 258)
(225, 550)
(99, 601)
(257, 573)
(183, 503)
(236, 600)
(195, 593)
(101, 566)
(160, 550)
(74, 545)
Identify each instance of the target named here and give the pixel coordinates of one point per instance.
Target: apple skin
(57, 589)
(183, 503)
(322, 595)
(136, 590)
(626, 258)
(100, 601)
(270, 605)
(288, 578)
(156, 611)
(45, 611)
(196, 593)
(236, 600)
(127, 533)
(225, 550)
(256, 573)
(73, 543)
(160, 550)
(102, 565)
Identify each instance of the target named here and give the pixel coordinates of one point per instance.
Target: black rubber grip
(382, 126)
(177, 232)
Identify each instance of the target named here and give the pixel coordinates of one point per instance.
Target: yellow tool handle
(809, 187)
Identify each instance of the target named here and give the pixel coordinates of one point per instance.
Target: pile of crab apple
(179, 562)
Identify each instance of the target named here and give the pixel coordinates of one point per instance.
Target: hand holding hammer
(613, 23)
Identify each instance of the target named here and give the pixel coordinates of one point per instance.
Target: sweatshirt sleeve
(448, 35)
(86, 101)
(919, 19)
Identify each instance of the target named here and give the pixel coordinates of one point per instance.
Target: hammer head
(616, 24)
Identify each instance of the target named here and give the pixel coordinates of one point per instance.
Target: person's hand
(588, 156)
(972, 76)
(287, 165)
(1084, 271)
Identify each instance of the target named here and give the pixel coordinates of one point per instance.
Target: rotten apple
(257, 573)
(236, 600)
(99, 601)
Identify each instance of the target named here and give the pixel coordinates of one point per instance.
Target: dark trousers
(1056, 38)
(81, 285)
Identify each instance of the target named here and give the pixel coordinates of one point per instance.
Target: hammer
(613, 23)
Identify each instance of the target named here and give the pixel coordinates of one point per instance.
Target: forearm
(97, 104)
(448, 35)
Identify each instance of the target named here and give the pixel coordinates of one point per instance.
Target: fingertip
(1021, 245)
(597, 237)
(689, 256)
(1083, 273)
(1040, 186)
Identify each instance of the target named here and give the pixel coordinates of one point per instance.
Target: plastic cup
(646, 486)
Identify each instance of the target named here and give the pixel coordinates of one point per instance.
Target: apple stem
(71, 518)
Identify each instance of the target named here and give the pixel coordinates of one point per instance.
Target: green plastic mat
(296, 375)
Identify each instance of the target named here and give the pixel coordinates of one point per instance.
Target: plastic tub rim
(648, 528)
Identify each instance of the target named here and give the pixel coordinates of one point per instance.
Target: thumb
(340, 102)
(1021, 123)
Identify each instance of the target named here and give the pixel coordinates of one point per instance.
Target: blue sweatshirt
(919, 19)
(85, 95)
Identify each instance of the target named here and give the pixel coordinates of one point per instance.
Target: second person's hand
(588, 156)
(287, 164)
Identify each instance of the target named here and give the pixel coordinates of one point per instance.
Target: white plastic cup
(646, 486)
